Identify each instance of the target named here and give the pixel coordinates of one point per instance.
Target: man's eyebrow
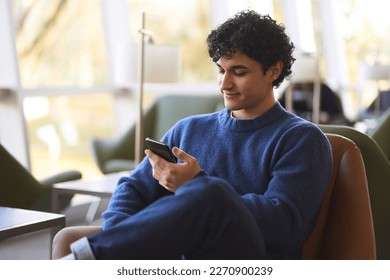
(234, 67)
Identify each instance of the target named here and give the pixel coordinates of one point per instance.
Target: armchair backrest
(381, 134)
(18, 188)
(378, 176)
(344, 228)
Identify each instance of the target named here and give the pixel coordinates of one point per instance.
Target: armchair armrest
(61, 177)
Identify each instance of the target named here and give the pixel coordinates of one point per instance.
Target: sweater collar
(269, 116)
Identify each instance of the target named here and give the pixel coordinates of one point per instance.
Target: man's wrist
(200, 174)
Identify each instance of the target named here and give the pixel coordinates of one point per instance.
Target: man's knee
(209, 189)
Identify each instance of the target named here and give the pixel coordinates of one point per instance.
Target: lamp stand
(139, 127)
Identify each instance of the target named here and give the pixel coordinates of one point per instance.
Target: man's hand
(172, 175)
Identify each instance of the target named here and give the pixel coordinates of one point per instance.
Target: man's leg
(68, 235)
(204, 219)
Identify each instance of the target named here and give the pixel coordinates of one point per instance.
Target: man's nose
(225, 81)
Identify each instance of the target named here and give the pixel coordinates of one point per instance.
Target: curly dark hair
(257, 36)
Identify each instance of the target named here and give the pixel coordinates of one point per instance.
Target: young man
(250, 178)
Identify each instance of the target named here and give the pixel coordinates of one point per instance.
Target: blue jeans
(204, 219)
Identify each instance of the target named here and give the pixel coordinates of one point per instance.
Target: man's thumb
(183, 156)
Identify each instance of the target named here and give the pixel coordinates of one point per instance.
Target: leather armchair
(378, 176)
(344, 228)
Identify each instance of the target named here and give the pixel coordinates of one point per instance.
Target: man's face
(246, 89)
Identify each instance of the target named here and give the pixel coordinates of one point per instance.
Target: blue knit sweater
(278, 163)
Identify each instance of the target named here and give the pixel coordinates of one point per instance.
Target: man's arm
(287, 210)
(132, 194)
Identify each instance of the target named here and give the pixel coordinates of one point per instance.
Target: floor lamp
(306, 69)
(156, 64)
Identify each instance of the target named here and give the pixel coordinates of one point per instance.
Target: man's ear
(275, 70)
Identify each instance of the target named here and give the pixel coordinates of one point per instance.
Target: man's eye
(240, 74)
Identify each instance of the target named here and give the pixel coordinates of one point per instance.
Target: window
(365, 29)
(60, 129)
(62, 51)
(60, 43)
(185, 23)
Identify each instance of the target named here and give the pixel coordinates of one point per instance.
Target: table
(27, 234)
(102, 187)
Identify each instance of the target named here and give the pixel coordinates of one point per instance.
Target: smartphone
(160, 148)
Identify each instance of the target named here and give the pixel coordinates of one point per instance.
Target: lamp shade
(161, 64)
(305, 69)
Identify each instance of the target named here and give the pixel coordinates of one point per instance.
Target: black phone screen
(161, 149)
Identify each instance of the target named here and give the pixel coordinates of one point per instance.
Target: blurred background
(67, 63)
